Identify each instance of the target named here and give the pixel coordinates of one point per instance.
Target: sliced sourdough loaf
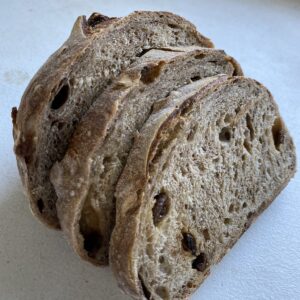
(203, 167)
(85, 179)
(66, 85)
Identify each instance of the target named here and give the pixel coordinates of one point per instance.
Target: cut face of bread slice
(85, 179)
(64, 88)
(201, 170)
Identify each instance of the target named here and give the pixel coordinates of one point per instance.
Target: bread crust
(29, 118)
(129, 194)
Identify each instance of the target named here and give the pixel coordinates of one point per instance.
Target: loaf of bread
(203, 167)
(86, 177)
(149, 149)
(67, 84)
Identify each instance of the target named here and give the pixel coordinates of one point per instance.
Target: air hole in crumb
(250, 214)
(60, 125)
(200, 262)
(250, 127)
(231, 208)
(201, 166)
(92, 243)
(162, 292)
(165, 166)
(199, 56)
(227, 221)
(144, 51)
(247, 146)
(161, 259)
(40, 205)
(236, 175)
(173, 26)
(164, 265)
(278, 133)
(192, 133)
(237, 110)
(186, 206)
(244, 205)
(146, 292)
(228, 118)
(195, 78)
(206, 234)
(225, 134)
(61, 97)
(160, 208)
(183, 170)
(216, 160)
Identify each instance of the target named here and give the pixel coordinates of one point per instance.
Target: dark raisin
(189, 243)
(160, 208)
(200, 262)
(150, 73)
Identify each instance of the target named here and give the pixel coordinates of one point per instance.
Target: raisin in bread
(67, 84)
(203, 167)
(86, 177)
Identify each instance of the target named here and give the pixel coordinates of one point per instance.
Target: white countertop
(264, 36)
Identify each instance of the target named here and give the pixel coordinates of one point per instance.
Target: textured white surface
(36, 263)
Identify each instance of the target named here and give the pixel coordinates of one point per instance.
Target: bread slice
(67, 84)
(86, 177)
(201, 170)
